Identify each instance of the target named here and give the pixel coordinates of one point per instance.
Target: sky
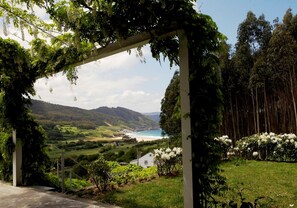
(124, 80)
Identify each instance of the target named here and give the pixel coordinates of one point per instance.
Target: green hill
(51, 115)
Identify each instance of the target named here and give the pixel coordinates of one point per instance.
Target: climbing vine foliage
(17, 78)
(85, 25)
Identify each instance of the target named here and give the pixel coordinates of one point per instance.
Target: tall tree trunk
(266, 111)
(254, 111)
(233, 117)
(293, 98)
(237, 118)
(257, 112)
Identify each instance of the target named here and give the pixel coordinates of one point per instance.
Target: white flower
(178, 151)
(168, 150)
(271, 134)
(292, 141)
(172, 154)
(230, 153)
(291, 205)
(291, 136)
(165, 156)
(255, 154)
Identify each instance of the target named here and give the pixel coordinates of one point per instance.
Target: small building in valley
(145, 161)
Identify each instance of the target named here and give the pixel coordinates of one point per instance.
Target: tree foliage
(100, 173)
(170, 121)
(259, 83)
(16, 87)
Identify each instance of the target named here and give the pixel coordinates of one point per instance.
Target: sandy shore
(138, 138)
(96, 139)
(141, 139)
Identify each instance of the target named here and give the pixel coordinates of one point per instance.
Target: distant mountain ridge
(53, 114)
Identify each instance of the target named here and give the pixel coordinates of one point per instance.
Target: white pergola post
(17, 161)
(186, 121)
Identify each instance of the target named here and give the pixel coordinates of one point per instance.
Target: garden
(259, 171)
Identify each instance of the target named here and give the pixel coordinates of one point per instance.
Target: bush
(268, 146)
(130, 173)
(99, 172)
(168, 160)
(6, 149)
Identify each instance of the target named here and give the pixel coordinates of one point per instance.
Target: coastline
(146, 137)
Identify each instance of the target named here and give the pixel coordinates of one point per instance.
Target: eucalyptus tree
(170, 119)
(253, 37)
(281, 58)
(85, 25)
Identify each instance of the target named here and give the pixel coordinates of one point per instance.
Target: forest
(258, 80)
(259, 77)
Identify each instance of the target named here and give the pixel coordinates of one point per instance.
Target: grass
(100, 132)
(160, 193)
(276, 182)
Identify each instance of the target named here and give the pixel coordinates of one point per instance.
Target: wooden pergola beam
(125, 45)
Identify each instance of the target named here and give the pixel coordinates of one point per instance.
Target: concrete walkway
(33, 197)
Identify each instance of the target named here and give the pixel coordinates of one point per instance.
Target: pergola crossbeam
(124, 45)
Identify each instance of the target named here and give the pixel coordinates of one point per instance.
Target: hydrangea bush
(268, 146)
(225, 145)
(168, 160)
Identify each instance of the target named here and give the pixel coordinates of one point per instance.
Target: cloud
(119, 80)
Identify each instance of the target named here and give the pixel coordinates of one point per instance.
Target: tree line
(258, 78)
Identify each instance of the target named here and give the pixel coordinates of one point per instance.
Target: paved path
(33, 197)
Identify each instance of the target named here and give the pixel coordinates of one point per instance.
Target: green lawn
(161, 193)
(277, 182)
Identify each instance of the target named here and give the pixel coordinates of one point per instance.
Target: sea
(147, 135)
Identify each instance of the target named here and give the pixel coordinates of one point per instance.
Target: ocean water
(153, 134)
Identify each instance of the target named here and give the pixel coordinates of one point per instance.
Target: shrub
(99, 172)
(225, 144)
(6, 149)
(268, 146)
(130, 173)
(168, 160)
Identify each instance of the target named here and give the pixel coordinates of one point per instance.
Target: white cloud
(120, 80)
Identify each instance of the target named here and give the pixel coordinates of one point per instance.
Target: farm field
(274, 184)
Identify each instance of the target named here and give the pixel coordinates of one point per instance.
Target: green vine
(16, 86)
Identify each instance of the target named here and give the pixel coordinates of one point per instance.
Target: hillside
(52, 114)
(154, 116)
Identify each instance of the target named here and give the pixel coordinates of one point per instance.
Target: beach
(148, 135)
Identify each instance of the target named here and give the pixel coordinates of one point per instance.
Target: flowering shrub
(268, 146)
(225, 144)
(168, 160)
